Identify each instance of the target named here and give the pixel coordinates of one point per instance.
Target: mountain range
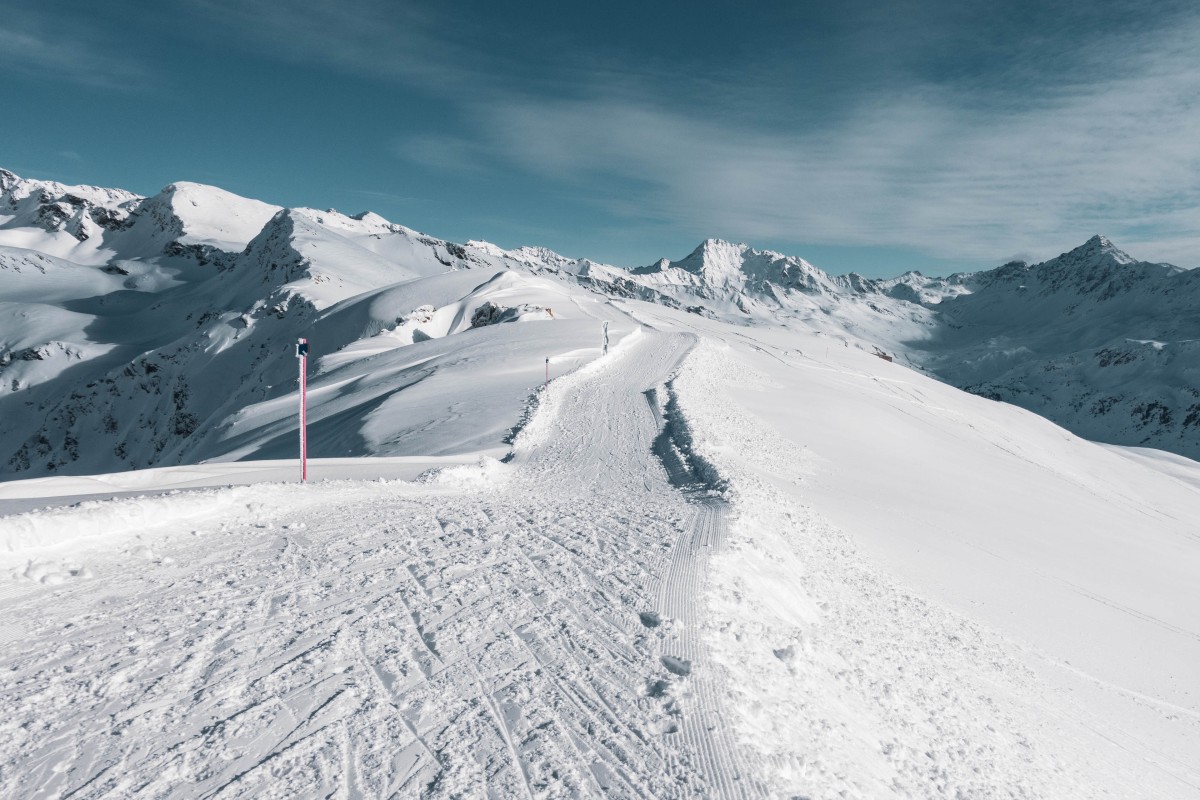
(143, 331)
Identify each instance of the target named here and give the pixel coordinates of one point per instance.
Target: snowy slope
(719, 562)
(737, 556)
(168, 339)
(738, 284)
(1093, 339)
(1081, 553)
(60, 220)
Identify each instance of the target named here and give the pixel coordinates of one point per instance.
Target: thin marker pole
(547, 374)
(302, 357)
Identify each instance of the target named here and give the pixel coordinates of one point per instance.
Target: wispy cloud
(944, 169)
(391, 197)
(398, 41)
(455, 154)
(63, 56)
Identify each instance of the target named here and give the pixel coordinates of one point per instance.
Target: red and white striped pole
(302, 357)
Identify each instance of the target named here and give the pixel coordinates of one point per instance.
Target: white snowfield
(716, 562)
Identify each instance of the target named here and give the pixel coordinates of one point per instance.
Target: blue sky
(874, 137)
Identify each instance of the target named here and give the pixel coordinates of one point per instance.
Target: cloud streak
(65, 57)
(943, 169)
(392, 41)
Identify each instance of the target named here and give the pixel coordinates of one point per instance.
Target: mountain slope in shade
(1105, 345)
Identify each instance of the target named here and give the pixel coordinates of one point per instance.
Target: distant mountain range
(1103, 344)
(143, 331)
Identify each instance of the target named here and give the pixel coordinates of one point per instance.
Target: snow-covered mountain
(735, 555)
(165, 336)
(148, 331)
(1103, 344)
(720, 561)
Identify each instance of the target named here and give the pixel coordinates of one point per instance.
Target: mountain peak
(1099, 246)
(203, 214)
(716, 259)
(713, 246)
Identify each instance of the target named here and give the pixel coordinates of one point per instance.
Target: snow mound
(485, 474)
(54, 529)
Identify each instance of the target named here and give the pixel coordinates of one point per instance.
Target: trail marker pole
(302, 357)
(547, 388)
(605, 337)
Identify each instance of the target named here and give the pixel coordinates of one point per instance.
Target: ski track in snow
(396, 640)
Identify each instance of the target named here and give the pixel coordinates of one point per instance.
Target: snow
(480, 638)
(1044, 556)
(773, 612)
(155, 339)
(736, 556)
(23, 496)
(210, 215)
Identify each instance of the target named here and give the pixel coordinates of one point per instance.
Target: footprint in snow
(677, 666)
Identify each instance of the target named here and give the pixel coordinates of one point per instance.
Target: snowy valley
(737, 555)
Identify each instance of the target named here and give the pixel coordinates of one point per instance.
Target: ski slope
(718, 561)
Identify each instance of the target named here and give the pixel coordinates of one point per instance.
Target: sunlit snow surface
(835, 576)
(736, 556)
